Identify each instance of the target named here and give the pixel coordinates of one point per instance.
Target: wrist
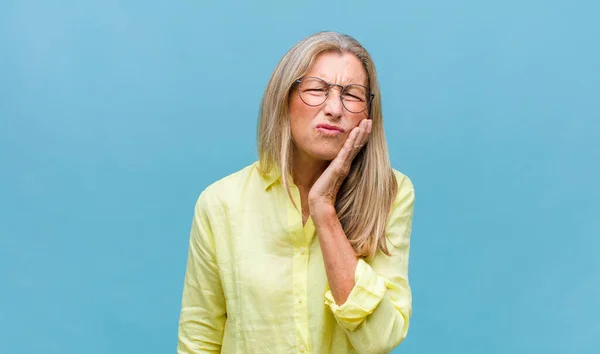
(322, 210)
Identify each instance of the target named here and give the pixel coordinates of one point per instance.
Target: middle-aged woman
(305, 250)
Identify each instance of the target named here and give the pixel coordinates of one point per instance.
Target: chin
(319, 151)
(324, 154)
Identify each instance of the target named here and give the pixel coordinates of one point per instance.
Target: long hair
(365, 198)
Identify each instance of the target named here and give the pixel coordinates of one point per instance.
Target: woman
(306, 250)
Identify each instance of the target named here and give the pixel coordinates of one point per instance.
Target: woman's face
(319, 132)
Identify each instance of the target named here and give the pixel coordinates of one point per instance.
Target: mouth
(330, 129)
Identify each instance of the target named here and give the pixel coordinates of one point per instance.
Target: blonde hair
(365, 198)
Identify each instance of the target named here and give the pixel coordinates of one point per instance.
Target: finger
(351, 142)
(358, 142)
(364, 135)
(368, 131)
(346, 153)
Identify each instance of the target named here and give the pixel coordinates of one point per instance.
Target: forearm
(339, 257)
(381, 331)
(377, 312)
(374, 310)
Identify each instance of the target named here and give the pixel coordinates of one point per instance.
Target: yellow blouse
(255, 280)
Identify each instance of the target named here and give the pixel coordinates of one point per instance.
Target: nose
(333, 104)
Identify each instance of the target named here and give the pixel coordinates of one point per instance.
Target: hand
(323, 193)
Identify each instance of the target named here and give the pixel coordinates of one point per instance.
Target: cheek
(356, 118)
(301, 115)
(300, 110)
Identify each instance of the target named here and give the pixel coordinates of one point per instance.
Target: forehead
(338, 68)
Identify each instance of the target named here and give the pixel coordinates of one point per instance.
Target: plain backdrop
(115, 115)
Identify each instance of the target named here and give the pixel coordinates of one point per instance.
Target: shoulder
(405, 185)
(229, 188)
(399, 224)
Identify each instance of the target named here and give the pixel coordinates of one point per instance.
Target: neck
(306, 170)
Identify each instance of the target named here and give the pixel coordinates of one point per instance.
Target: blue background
(115, 115)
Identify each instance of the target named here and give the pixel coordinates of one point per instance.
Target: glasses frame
(370, 95)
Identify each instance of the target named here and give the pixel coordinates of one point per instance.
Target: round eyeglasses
(314, 91)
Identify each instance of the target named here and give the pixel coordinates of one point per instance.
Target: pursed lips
(330, 129)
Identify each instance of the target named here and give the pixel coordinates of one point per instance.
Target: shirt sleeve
(377, 311)
(203, 311)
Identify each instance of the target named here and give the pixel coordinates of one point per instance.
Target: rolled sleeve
(377, 313)
(367, 293)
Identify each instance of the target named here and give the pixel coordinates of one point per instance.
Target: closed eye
(353, 98)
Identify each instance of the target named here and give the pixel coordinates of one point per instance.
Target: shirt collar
(271, 177)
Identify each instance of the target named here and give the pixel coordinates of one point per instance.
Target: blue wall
(114, 116)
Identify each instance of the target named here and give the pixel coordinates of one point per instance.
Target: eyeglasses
(314, 91)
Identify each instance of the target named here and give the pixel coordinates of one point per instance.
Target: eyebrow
(322, 77)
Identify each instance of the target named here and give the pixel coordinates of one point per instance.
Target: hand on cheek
(325, 189)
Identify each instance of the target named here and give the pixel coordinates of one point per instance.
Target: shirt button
(299, 299)
(302, 349)
(301, 250)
